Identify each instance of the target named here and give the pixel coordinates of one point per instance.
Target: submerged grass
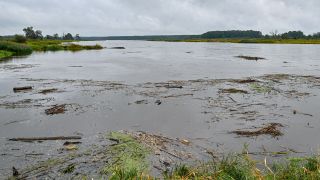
(128, 157)
(260, 88)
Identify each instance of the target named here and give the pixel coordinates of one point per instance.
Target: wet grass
(129, 157)
(258, 87)
(242, 167)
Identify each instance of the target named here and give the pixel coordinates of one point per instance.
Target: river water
(85, 82)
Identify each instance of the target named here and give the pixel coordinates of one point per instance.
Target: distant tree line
(258, 34)
(232, 34)
(30, 33)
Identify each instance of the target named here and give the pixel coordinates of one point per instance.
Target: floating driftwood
(252, 58)
(30, 139)
(56, 109)
(233, 90)
(117, 48)
(25, 88)
(47, 91)
(244, 81)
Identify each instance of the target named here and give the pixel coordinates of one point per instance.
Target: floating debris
(47, 91)
(71, 142)
(19, 89)
(270, 129)
(233, 90)
(261, 88)
(56, 109)
(54, 138)
(252, 58)
(141, 102)
(117, 48)
(158, 102)
(244, 81)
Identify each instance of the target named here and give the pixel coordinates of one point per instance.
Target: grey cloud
(145, 17)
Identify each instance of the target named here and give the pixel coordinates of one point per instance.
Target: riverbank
(140, 155)
(254, 41)
(9, 49)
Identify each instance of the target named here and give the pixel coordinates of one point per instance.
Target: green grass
(9, 48)
(129, 158)
(241, 167)
(59, 45)
(255, 41)
(5, 54)
(261, 88)
(14, 49)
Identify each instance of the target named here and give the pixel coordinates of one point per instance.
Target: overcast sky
(148, 17)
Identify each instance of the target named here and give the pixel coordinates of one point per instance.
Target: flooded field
(205, 99)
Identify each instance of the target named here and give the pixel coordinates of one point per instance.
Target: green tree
(56, 36)
(32, 34)
(232, 34)
(29, 32)
(38, 34)
(49, 37)
(20, 38)
(77, 37)
(68, 36)
(293, 35)
(316, 35)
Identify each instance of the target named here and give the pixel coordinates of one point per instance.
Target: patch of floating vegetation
(260, 88)
(233, 90)
(272, 129)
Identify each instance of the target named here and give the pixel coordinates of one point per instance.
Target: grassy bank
(59, 45)
(256, 41)
(9, 48)
(130, 157)
(130, 161)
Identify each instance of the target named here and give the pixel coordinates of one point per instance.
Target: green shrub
(20, 39)
(16, 48)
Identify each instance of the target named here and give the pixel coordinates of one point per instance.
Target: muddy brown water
(129, 89)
